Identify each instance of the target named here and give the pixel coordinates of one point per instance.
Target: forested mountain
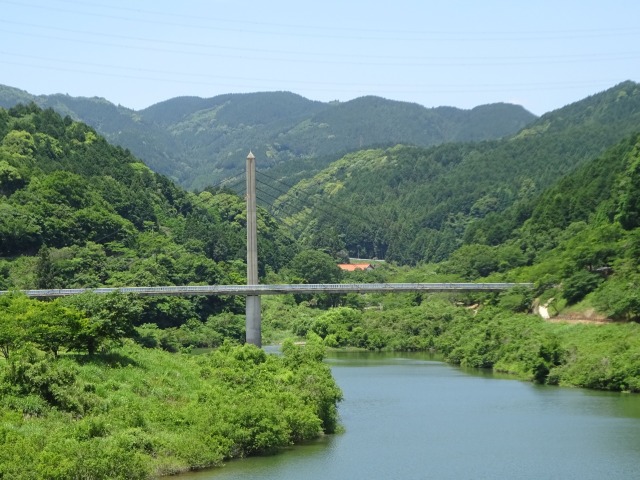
(78, 212)
(80, 399)
(410, 204)
(581, 241)
(198, 142)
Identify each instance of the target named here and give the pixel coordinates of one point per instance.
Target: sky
(540, 54)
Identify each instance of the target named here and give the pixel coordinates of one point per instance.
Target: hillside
(411, 205)
(580, 245)
(198, 142)
(581, 242)
(76, 211)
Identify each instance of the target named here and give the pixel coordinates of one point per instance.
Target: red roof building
(352, 267)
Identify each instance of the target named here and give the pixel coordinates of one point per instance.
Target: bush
(578, 285)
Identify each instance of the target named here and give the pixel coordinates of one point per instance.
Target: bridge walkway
(279, 289)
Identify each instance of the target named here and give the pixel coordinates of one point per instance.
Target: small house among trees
(351, 267)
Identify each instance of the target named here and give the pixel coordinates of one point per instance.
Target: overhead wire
(271, 212)
(321, 31)
(338, 58)
(396, 60)
(319, 205)
(339, 208)
(330, 87)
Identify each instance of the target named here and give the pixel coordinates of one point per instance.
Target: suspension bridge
(253, 290)
(279, 289)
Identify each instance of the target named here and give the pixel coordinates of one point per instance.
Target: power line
(317, 206)
(308, 55)
(352, 32)
(304, 57)
(335, 207)
(274, 214)
(342, 87)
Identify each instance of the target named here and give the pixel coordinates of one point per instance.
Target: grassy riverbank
(598, 356)
(137, 413)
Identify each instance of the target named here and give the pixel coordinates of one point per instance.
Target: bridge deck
(253, 290)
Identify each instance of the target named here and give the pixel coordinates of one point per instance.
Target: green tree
(629, 196)
(578, 285)
(312, 266)
(13, 322)
(45, 270)
(53, 325)
(619, 297)
(10, 179)
(473, 261)
(110, 317)
(19, 230)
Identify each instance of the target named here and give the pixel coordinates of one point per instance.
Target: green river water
(408, 416)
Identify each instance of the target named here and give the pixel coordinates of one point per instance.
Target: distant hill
(198, 141)
(411, 204)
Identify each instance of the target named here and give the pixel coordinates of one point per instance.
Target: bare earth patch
(587, 316)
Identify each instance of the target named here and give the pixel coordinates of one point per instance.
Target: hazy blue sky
(540, 54)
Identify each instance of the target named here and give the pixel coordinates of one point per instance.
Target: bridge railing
(278, 289)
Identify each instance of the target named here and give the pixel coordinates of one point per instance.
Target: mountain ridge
(200, 141)
(423, 203)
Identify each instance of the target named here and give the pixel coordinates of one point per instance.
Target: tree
(629, 196)
(473, 261)
(312, 266)
(19, 230)
(45, 269)
(19, 142)
(10, 179)
(54, 325)
(13, 331)
(619, 297)
(578, 285)
(111, 317)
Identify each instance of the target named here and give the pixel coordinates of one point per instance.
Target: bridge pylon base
(253, 321)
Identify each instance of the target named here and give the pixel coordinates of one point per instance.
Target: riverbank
(411, 416)
(136, 413)
(597, 356)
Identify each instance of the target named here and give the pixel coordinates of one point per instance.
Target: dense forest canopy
(410, 204)
(87, 386)
(78, 212)
(198, 142)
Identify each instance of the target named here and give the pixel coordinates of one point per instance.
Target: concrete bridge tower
(253, 314)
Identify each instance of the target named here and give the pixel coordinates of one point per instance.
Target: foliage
(137, 413)
(283, 128)
(314, 267)
(82, 322)
(475, 261)
(76, 212)
(110, 318)
(499, 338)
(14, 329)
(602, 357)
(412, 205)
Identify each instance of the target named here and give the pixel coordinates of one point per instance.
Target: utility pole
(253, 322)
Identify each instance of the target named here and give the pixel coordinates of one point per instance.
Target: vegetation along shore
(110, 386)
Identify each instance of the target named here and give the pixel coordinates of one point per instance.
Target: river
(408, 416)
